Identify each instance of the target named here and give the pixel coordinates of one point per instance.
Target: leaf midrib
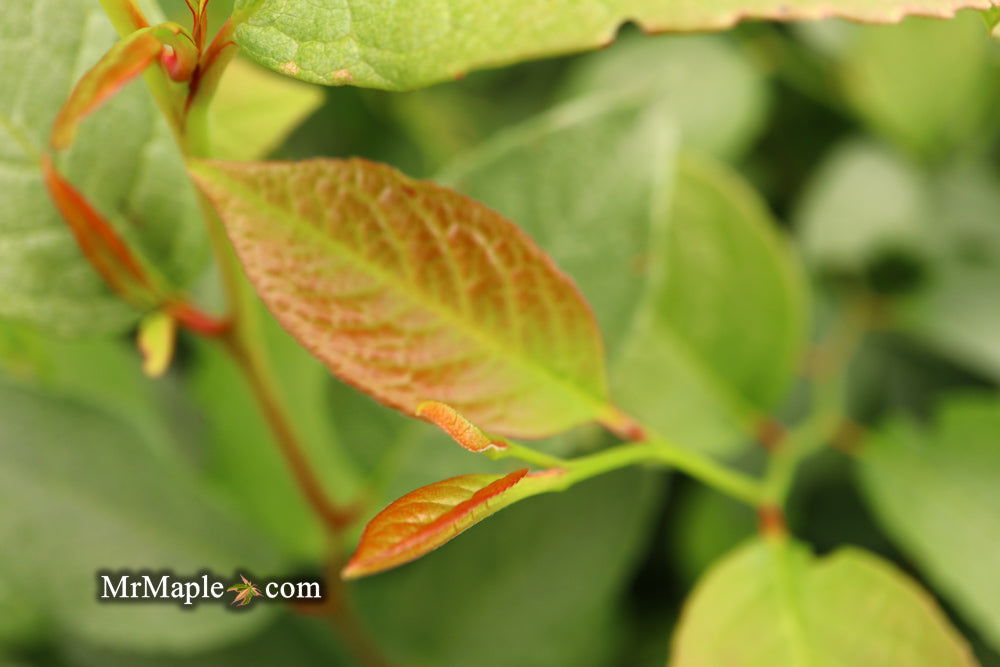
(595, 405)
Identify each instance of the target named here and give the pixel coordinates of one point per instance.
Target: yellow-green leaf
(768, 604)
(254, 110)
(413, 43)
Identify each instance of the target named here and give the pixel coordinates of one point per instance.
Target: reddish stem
(335, 517)
(197, 321)
(771, 520)
(770, 433)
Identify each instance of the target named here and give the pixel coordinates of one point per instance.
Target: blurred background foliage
(764, 177)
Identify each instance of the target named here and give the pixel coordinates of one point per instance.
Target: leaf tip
(156, 339)
(460, 429)
(425, 519)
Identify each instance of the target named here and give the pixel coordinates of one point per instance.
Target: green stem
(512, 450)
(804, 440)
(655, 451)
(710, 472)
(829, 375)
(250, 359)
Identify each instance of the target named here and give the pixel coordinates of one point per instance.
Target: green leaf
(413, 292)
(240, 447)
(704, 526)
(414, 44)
(955, 311)
(587, 182)
(725, 330)
(863, 203)
(704, 83)
(291, 639)
(779, 605)
(517, 561)
(866, 210)
(892, 76)
(67, 368)
(81, 493)
(934, 488)
(254, 110)
(137, 180)
(992, 18)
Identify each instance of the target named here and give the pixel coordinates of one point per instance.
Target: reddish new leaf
(460, 429)
(413, 292)
(106, 251)
(423, 520)
(125, 61)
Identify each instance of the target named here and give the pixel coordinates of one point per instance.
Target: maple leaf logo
(245, 592)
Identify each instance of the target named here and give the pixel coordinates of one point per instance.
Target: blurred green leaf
(290, 640)
(861, 203)
(586, 182)
(137, 180)
(68, 368)
(79, 494)
(956, 311)
(727, 324)
(552, 571)
(419, 43)
(932, 238)
(767, 605)
(240, 445)
(704, 526)
(705, 84)
(896, 78)
(992, 18)
(254, 110)
(936, 490)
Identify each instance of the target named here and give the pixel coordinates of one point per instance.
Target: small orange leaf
(106, 251)
(412, 292)
(125, 61)
(460, 429)
(423, 520)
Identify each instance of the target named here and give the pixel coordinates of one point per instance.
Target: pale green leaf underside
(705, 84)
(124, 160)
(414, 43)
(727, 321)
(937, 492)
(765, 606)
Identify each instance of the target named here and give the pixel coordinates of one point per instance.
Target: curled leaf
(460, 429)
(413, 292)
(423, 520)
